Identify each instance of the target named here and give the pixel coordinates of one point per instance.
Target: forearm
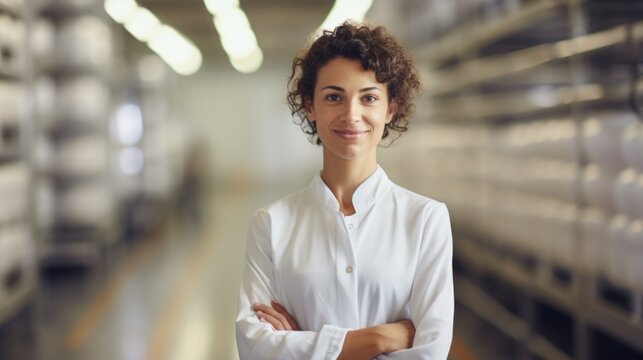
(361, 344)
(370, 342)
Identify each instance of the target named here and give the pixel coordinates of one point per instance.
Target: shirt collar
(366, 194)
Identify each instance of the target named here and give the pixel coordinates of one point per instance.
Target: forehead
(345, 73)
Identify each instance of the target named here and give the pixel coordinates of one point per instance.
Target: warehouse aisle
(170, 295)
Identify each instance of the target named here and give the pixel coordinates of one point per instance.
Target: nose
(351, 112)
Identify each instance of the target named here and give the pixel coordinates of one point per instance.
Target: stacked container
(72, 43)
(17, 275)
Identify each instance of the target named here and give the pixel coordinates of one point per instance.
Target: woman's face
(350, 109)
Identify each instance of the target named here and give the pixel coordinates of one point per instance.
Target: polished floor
(168, 295)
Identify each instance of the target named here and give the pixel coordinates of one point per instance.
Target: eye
(370, 98)
(332, 97)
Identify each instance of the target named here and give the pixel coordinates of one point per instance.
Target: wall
(247, 124)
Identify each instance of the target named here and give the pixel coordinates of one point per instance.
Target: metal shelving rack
(148, 180)
(17, 260)
(480, 74)
(77, 178)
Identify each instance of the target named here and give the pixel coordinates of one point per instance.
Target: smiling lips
(350, 134)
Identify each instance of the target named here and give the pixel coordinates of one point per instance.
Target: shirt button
(350, 226)
(349, 269)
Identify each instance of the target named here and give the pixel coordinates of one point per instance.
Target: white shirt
(391, 260)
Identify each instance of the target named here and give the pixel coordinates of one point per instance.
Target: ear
(392, 108)
(310, 110)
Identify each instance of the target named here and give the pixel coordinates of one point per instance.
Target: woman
(353, 266)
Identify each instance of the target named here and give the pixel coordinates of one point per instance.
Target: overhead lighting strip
(345, 10)
(237, 37)
(169, 44)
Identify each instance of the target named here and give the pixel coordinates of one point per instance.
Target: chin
(349, 154)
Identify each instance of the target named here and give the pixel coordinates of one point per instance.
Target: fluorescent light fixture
(176, 50)
(234, 20)
(142, 24)
(237, 38)
(120, 10)
(344, 10)
(248, 64)
(220, 7)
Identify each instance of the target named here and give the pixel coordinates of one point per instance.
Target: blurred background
(137, 138)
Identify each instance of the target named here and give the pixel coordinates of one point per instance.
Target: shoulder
(414, 202)
(284, 207)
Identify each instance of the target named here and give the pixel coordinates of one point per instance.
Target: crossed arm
(430, 309)
(365, 343)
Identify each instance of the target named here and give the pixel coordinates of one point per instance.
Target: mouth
(351, 134)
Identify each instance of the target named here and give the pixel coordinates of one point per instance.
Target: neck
(344, 176)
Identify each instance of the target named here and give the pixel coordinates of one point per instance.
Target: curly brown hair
(377, 50)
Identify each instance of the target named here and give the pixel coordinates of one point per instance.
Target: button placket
(345, 267)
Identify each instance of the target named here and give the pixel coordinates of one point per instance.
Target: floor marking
(85, 326)
(193, 272)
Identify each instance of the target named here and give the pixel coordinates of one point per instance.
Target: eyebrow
(338, 88)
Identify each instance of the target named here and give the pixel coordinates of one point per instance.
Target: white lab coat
(391, 260)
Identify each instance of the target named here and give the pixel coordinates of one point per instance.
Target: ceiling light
(345, 10)
(120, 10)
(142, 24)
(236, 35)
(176, 50)
(220, 7)
(248, 64)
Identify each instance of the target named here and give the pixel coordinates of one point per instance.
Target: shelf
(617, 323)
(62, 71)
(17, 300)
(81, 253)
(9, 75)
(495, 67)
(63, 128)
(65, 179)
(14, 11)
(8, 156)
(494, 106)
(475, 36)
(477, 255)
(599, 314)
(62, 10)
(494, 313)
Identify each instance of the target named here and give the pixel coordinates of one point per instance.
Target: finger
(282, 310)
(266, 313)
(276, 323)
(261, 319)
(260, 307)
(279, 316)
(274, 313)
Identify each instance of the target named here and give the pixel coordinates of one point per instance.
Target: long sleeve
(432, 299)
(257, 340)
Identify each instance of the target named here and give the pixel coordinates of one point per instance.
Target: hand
(367, 343)
(277, 316)
(398, 335)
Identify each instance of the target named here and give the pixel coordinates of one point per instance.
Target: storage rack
(17, 265)
(76, 200)
(538, 66)
(149, 175)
